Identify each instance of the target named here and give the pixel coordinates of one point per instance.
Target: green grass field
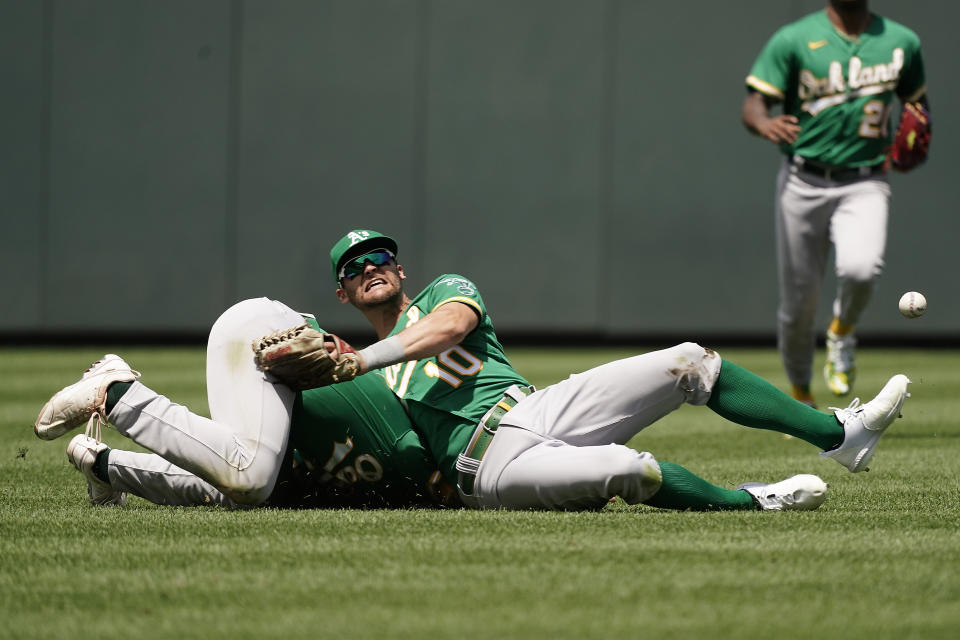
(880, 559)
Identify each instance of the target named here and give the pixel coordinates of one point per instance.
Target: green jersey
(841, 88)
(446, 395)
(352, 444)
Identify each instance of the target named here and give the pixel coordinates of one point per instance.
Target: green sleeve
(453, 288)
(771, 72)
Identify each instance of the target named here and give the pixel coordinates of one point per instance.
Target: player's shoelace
(97, 419)
(94, 426)
(784, 500)
(852, 407)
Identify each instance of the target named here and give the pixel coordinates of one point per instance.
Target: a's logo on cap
(358, 236)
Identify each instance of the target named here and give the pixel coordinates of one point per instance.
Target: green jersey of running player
(841, 88)
(352, 444)
(446, 395)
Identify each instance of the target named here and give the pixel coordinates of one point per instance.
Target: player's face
(369, 283)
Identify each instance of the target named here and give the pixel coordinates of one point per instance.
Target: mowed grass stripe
(878, 560)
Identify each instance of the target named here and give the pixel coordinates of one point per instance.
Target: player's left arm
(912, 83)
(922, 106)
(911, 142)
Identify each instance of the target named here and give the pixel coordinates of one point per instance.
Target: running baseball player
(835, 73)
(563, 447)
(343, 446)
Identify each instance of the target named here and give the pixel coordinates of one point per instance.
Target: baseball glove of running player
(912, 142)
(304, 358)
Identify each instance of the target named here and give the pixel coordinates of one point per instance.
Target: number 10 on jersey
(452, 366)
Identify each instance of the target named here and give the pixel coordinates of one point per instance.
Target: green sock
(748, 399)
(683, 490)
(100, 465)
(114, 392)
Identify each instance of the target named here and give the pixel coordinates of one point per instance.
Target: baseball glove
(912, 142)
(304, 358)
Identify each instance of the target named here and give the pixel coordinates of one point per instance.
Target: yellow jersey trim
(765, 88)
(465, 300)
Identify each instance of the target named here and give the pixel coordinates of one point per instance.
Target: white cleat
(864, 424)
(803, 492)
(83, 401)
(82, 454)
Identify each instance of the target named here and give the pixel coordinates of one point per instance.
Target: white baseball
(913, 304)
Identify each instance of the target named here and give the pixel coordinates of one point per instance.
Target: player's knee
(245, 310)
(859, 274)
(251, 485)
(693, 352)
(248, 489)
(633, 475)
(696, 370)
(800, 313)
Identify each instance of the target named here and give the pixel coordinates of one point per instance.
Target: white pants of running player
(233, 458)
(811, 215)
(563, 446)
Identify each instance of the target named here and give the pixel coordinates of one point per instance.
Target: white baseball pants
(151, 477)
(811, 215)
(563, 447)
(240, 450)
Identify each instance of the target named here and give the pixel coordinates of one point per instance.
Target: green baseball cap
(355, 243)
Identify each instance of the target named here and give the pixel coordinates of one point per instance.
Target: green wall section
(583, 162)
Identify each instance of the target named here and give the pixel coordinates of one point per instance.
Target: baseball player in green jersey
(349, 445)
(563, 447)
(835, 73)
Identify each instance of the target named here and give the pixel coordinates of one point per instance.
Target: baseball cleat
(82, 454)
(803, 492)
(83, 401)
(864, 424)
(840, 370)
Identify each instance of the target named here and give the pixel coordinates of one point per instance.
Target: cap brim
(365, 246)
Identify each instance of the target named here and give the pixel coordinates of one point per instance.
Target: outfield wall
(583, 162)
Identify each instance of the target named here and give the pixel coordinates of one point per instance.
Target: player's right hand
(782, 128)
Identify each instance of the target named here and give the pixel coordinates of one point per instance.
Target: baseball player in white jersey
(563, 447)
(836, 73)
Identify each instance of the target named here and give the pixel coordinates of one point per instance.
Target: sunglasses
(355, 267)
